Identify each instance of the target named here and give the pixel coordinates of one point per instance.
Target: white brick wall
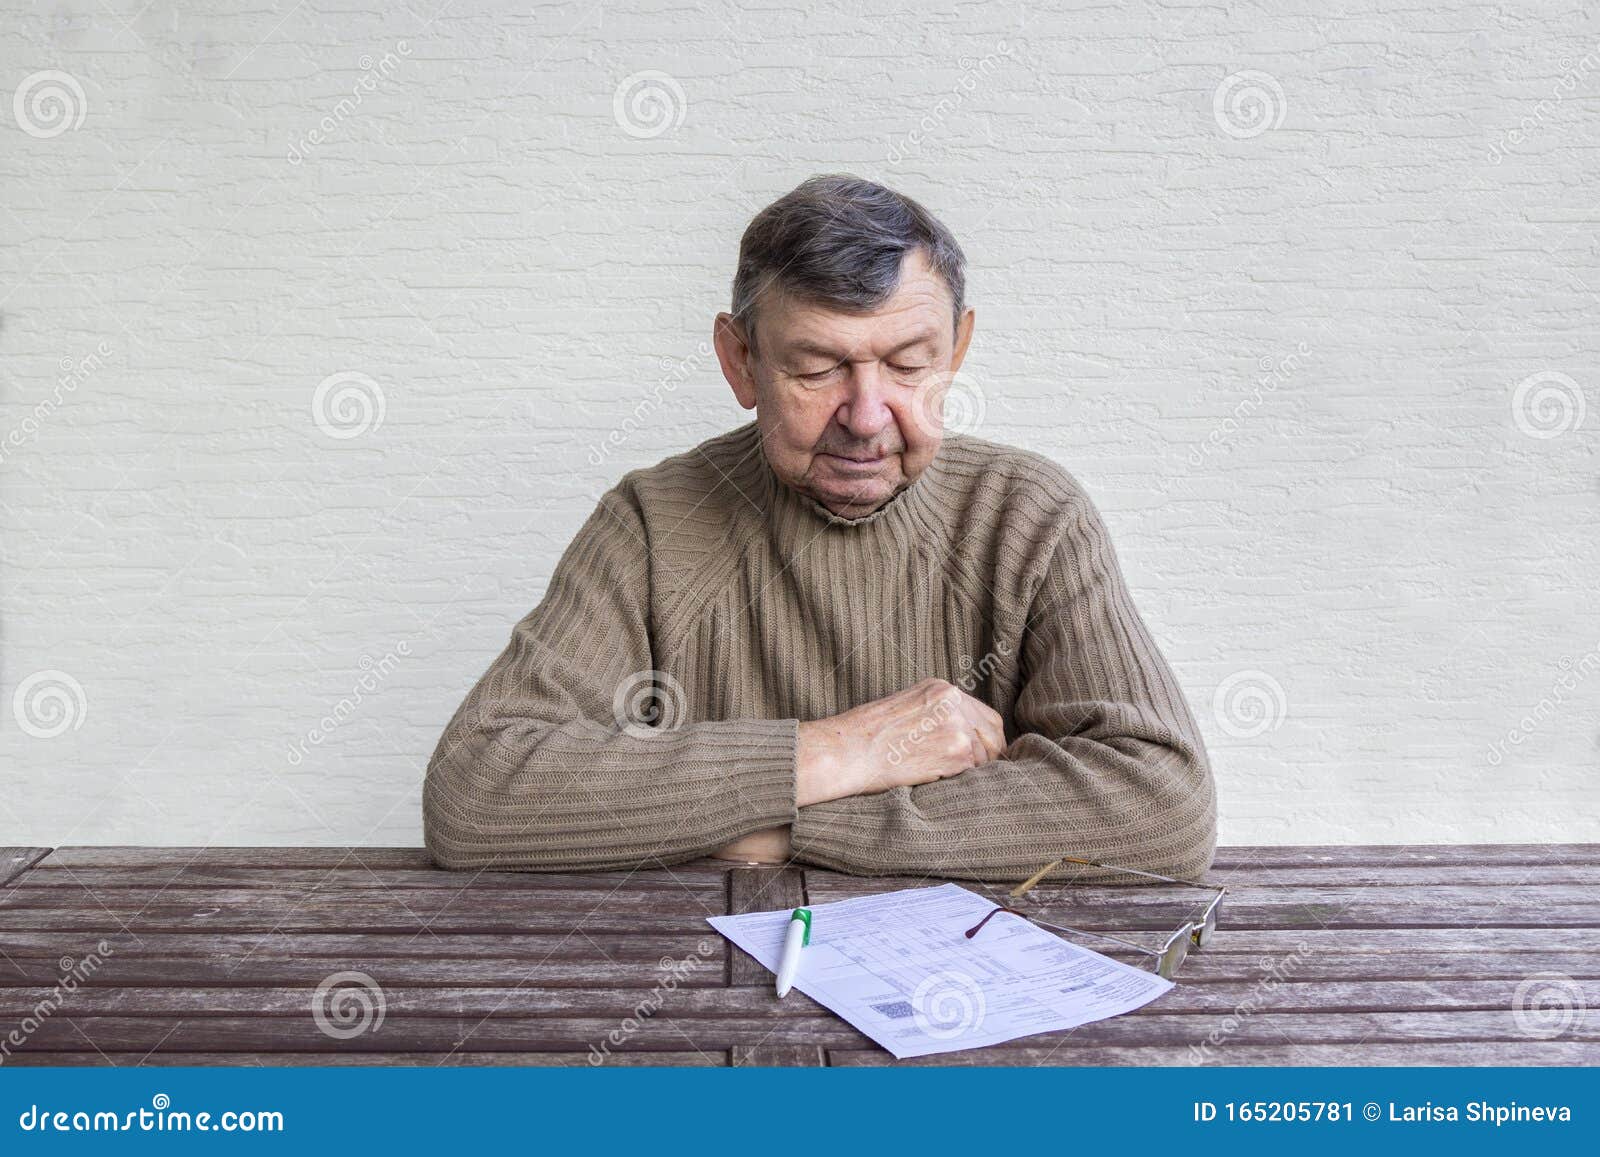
(1380, 549)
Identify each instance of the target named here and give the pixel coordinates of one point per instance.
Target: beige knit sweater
(747, 607)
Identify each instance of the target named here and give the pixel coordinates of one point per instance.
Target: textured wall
(323, 325)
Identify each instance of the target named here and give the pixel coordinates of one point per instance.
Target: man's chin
(850, 492)
(855, 501)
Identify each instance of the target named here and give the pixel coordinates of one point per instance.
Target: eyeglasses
(1173, 951)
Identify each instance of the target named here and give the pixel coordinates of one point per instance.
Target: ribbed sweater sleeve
(1108, 762)
(543, 767)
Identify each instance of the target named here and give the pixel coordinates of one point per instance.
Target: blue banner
(754, 1111)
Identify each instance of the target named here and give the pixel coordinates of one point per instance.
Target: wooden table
(1325, 956)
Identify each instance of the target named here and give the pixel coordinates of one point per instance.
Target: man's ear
(963, 339)
(733, 352)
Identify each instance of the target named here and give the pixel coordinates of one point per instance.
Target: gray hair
(837, 240)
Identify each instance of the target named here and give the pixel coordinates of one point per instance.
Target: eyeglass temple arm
(973, 931)
(1102, 936)
(1186, 929)
(1033, 880)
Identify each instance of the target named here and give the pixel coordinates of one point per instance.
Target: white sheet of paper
(899, 967)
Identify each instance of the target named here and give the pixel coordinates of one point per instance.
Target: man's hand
(930, 731)
(768, 846)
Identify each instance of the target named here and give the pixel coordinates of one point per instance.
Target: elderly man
(837, 634)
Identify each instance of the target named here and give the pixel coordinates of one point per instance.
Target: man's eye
(820, 375)
(906, 369)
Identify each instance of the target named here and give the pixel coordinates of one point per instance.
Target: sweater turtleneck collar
(912, 515)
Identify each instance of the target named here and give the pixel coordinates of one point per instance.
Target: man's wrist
(818, 773)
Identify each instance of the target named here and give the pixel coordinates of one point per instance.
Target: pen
(798, 936)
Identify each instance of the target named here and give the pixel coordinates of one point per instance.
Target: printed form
(900, 968)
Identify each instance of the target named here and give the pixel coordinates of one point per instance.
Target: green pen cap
(803, 914)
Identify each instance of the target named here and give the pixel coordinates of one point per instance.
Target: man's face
(849, 405)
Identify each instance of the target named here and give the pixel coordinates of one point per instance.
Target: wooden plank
(1207, 965)
(755, 1001)
(593, 959)
(442, 1059)
(1398, 875)
(583, 967)
(586, 968)
(421, 1002)
(582, 944)
(1382, 953)
(706, 901)
(822, 887)
(358, 911)
(1320, 865)
(367, 920)
(666, 1031)
(300, 1034)
(170, 876)
(1401, 875)
(1069, 1052)
(15, 861)
(1298, 876)
(353, 858)
(1378, 855)
(1400, 945)
(764, 890)
(343, 858)
(759, 890)
(1247, 906)
(780, 1056)
(378, 915)
(1245, 903)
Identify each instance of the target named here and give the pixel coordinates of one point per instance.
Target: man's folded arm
(544, 765)
(1108, 763)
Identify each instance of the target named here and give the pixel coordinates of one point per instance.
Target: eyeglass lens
(1175, 953)
(1204, 930)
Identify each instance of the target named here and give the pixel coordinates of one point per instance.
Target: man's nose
(865, 412)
